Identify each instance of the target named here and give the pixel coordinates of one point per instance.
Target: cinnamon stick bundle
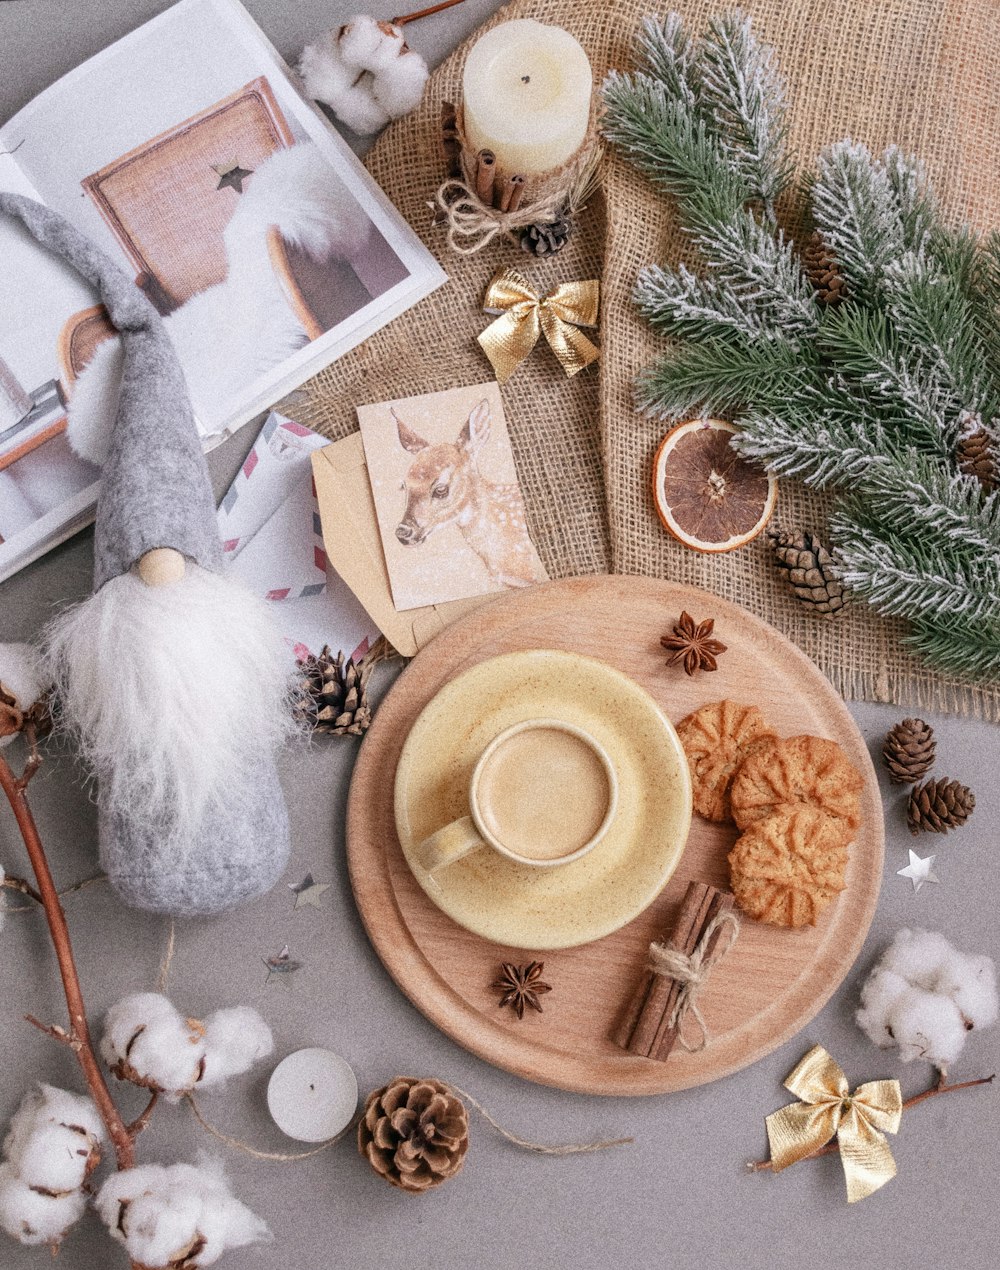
(645, 1029)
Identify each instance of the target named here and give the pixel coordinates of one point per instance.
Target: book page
(189, 154)
(44, 486)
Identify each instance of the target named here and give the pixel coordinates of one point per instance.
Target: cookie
(716, 739)
(798, 770)
(787, 867)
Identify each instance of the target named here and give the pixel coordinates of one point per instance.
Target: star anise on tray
(692, 643)
(521, 986)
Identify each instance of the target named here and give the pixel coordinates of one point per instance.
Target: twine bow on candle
(691, 971)
(525, 315)
(828, 1109)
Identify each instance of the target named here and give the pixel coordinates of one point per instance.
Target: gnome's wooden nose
(161, 566)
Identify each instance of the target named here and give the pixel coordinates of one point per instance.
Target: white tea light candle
(526, 96)
(312, 1095)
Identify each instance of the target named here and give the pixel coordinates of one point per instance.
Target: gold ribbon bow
(828, 1109)
(524, 315)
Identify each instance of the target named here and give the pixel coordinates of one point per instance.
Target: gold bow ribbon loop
(525, 315)
(828, 1109)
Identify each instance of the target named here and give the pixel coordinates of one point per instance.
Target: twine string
(691, 971)
(164, 976)
(279, 1157)
(569, 1148)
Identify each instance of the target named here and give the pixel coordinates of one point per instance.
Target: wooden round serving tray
(772, 983)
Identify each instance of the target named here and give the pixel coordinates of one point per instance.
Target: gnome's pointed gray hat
(156, 493)
(155, 490)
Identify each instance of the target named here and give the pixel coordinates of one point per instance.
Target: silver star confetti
(281, 967)
(919, 871)
(231, 175)
(308, 891)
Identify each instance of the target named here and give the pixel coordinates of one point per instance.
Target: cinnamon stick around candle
(666, 1036)
(512, 193)
(485, 176)
(644, 1017)
(450, 145)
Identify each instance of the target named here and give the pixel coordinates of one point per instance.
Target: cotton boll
(917, 954)
(148, 1042)
(163, 1214)
(129, 1016)
(971, 982)
(399, 87)
(927, 1025)
(325, 75)
(359, 110)
(369, 45)
(235, 1039)
(881, 991)
(54, 1158)
(22, 676)
(59, 1106)
(34, 1218)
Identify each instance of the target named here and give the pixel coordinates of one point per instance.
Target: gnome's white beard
(172, 692)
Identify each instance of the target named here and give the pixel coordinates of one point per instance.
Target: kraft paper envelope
(354, 548)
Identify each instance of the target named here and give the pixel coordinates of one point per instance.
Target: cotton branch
(940, 1086)
(78, 1036)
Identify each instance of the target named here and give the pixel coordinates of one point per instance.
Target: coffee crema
(543, 793)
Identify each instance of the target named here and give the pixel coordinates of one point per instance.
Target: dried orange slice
(706, 495)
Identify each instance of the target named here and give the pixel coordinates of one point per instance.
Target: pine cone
(908, 751)
(543, 239)
(414, 1132)
(821, 268)
(332, 696)
(939, 805)
(976, 455)
(809, 570)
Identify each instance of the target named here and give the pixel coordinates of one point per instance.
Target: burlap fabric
(917, 72)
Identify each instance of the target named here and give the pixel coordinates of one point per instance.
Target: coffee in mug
(543, 793)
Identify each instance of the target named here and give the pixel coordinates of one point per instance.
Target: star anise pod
(521, 986)
(692, 644)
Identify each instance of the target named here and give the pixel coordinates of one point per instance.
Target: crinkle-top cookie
(787, 867)
(716, 739)
(798, 770)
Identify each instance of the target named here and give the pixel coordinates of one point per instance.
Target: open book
(188, 152)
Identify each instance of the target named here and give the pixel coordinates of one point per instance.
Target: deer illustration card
(450, 509)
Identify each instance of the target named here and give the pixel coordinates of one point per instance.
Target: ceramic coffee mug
(543, 793)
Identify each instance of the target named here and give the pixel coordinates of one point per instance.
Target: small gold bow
(524, 315)
(828, 1109)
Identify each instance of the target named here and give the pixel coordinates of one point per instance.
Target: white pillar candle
(312, 1095)
(526, 96)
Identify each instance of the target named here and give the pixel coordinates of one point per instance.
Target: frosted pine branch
(666, 52)
(856, 210)
(718, 377)
(744, 95)
(958, 646)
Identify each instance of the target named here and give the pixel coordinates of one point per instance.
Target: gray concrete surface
(679, 1198)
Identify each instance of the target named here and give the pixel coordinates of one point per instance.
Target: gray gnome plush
(172, 677)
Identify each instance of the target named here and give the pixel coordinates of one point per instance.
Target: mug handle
(452, 843)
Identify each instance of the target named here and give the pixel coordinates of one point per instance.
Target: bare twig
(18, 884)
(52, 1029)
(139, 1123)
(16, 793)
(940, 1086)
(24, 888)
(424, 13)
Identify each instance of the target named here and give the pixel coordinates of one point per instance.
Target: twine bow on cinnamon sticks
(705, 932)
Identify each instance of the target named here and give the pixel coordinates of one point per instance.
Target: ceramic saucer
(574, 903)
